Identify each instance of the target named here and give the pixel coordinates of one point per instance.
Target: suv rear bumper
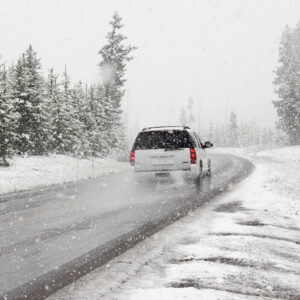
(190, 173)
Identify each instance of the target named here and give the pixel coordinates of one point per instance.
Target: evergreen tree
(28, 92)
(70, 134)
(191, 116)
(295, 109)
(287, 82)
(92, 127)
(105, 119)
(79, 104)
(233, 130)
(7, 119)
(114, 57)
(58, 114)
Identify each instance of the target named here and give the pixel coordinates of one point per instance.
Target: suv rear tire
(209, 169)
(199, 177)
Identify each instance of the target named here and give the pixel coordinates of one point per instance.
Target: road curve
(51, 239)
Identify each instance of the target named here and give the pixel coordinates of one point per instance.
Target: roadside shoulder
(40, 173)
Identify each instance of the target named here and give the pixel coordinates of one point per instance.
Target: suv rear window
(166, 139)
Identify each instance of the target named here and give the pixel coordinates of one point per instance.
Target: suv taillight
(132, 157)
(193, 156)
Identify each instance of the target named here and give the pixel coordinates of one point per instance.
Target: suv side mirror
(207, 145)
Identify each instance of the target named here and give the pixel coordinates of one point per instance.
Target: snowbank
(283, 172)
(286, 154)
(38, 171)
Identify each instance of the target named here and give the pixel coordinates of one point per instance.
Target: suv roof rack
(184, 127)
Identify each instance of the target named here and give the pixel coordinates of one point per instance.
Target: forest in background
(235, 133)
(287, 87)
(47, 114)
(41, 115)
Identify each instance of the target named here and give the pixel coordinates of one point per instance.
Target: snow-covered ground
(242, 245)
(39, 171)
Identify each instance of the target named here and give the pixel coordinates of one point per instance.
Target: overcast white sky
(221, 52)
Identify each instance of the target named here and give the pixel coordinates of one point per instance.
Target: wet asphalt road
(94, 221)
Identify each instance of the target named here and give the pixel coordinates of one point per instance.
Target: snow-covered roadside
(242, 245)
(39, 171)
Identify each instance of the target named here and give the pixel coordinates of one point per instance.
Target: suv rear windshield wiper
(173, 149)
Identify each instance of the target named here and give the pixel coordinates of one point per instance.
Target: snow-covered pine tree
(89, 122)
(114, 57)
(191, 116)
(79, 103)
(58, 110)
(18, 87)
(264, 137)
(104, 115)
(287, 83)
(96, 123)
(70, 135)
(7, 119)
(92, 129)
(28, 92)
(233, 130)
(296, 103)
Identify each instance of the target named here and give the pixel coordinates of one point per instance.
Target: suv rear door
(202, 153)
(162, 150)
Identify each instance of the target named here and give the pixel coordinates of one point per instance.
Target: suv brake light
(193, 156)
(132, 157)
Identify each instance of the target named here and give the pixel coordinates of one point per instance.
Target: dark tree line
(41, 115)
(287, 83)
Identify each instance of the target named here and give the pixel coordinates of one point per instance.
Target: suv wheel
(209, 169)
(200, 171)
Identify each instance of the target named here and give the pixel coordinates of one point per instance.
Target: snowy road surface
(48, 232)
(244, 245)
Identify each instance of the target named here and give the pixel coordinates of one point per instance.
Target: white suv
(169, 149)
